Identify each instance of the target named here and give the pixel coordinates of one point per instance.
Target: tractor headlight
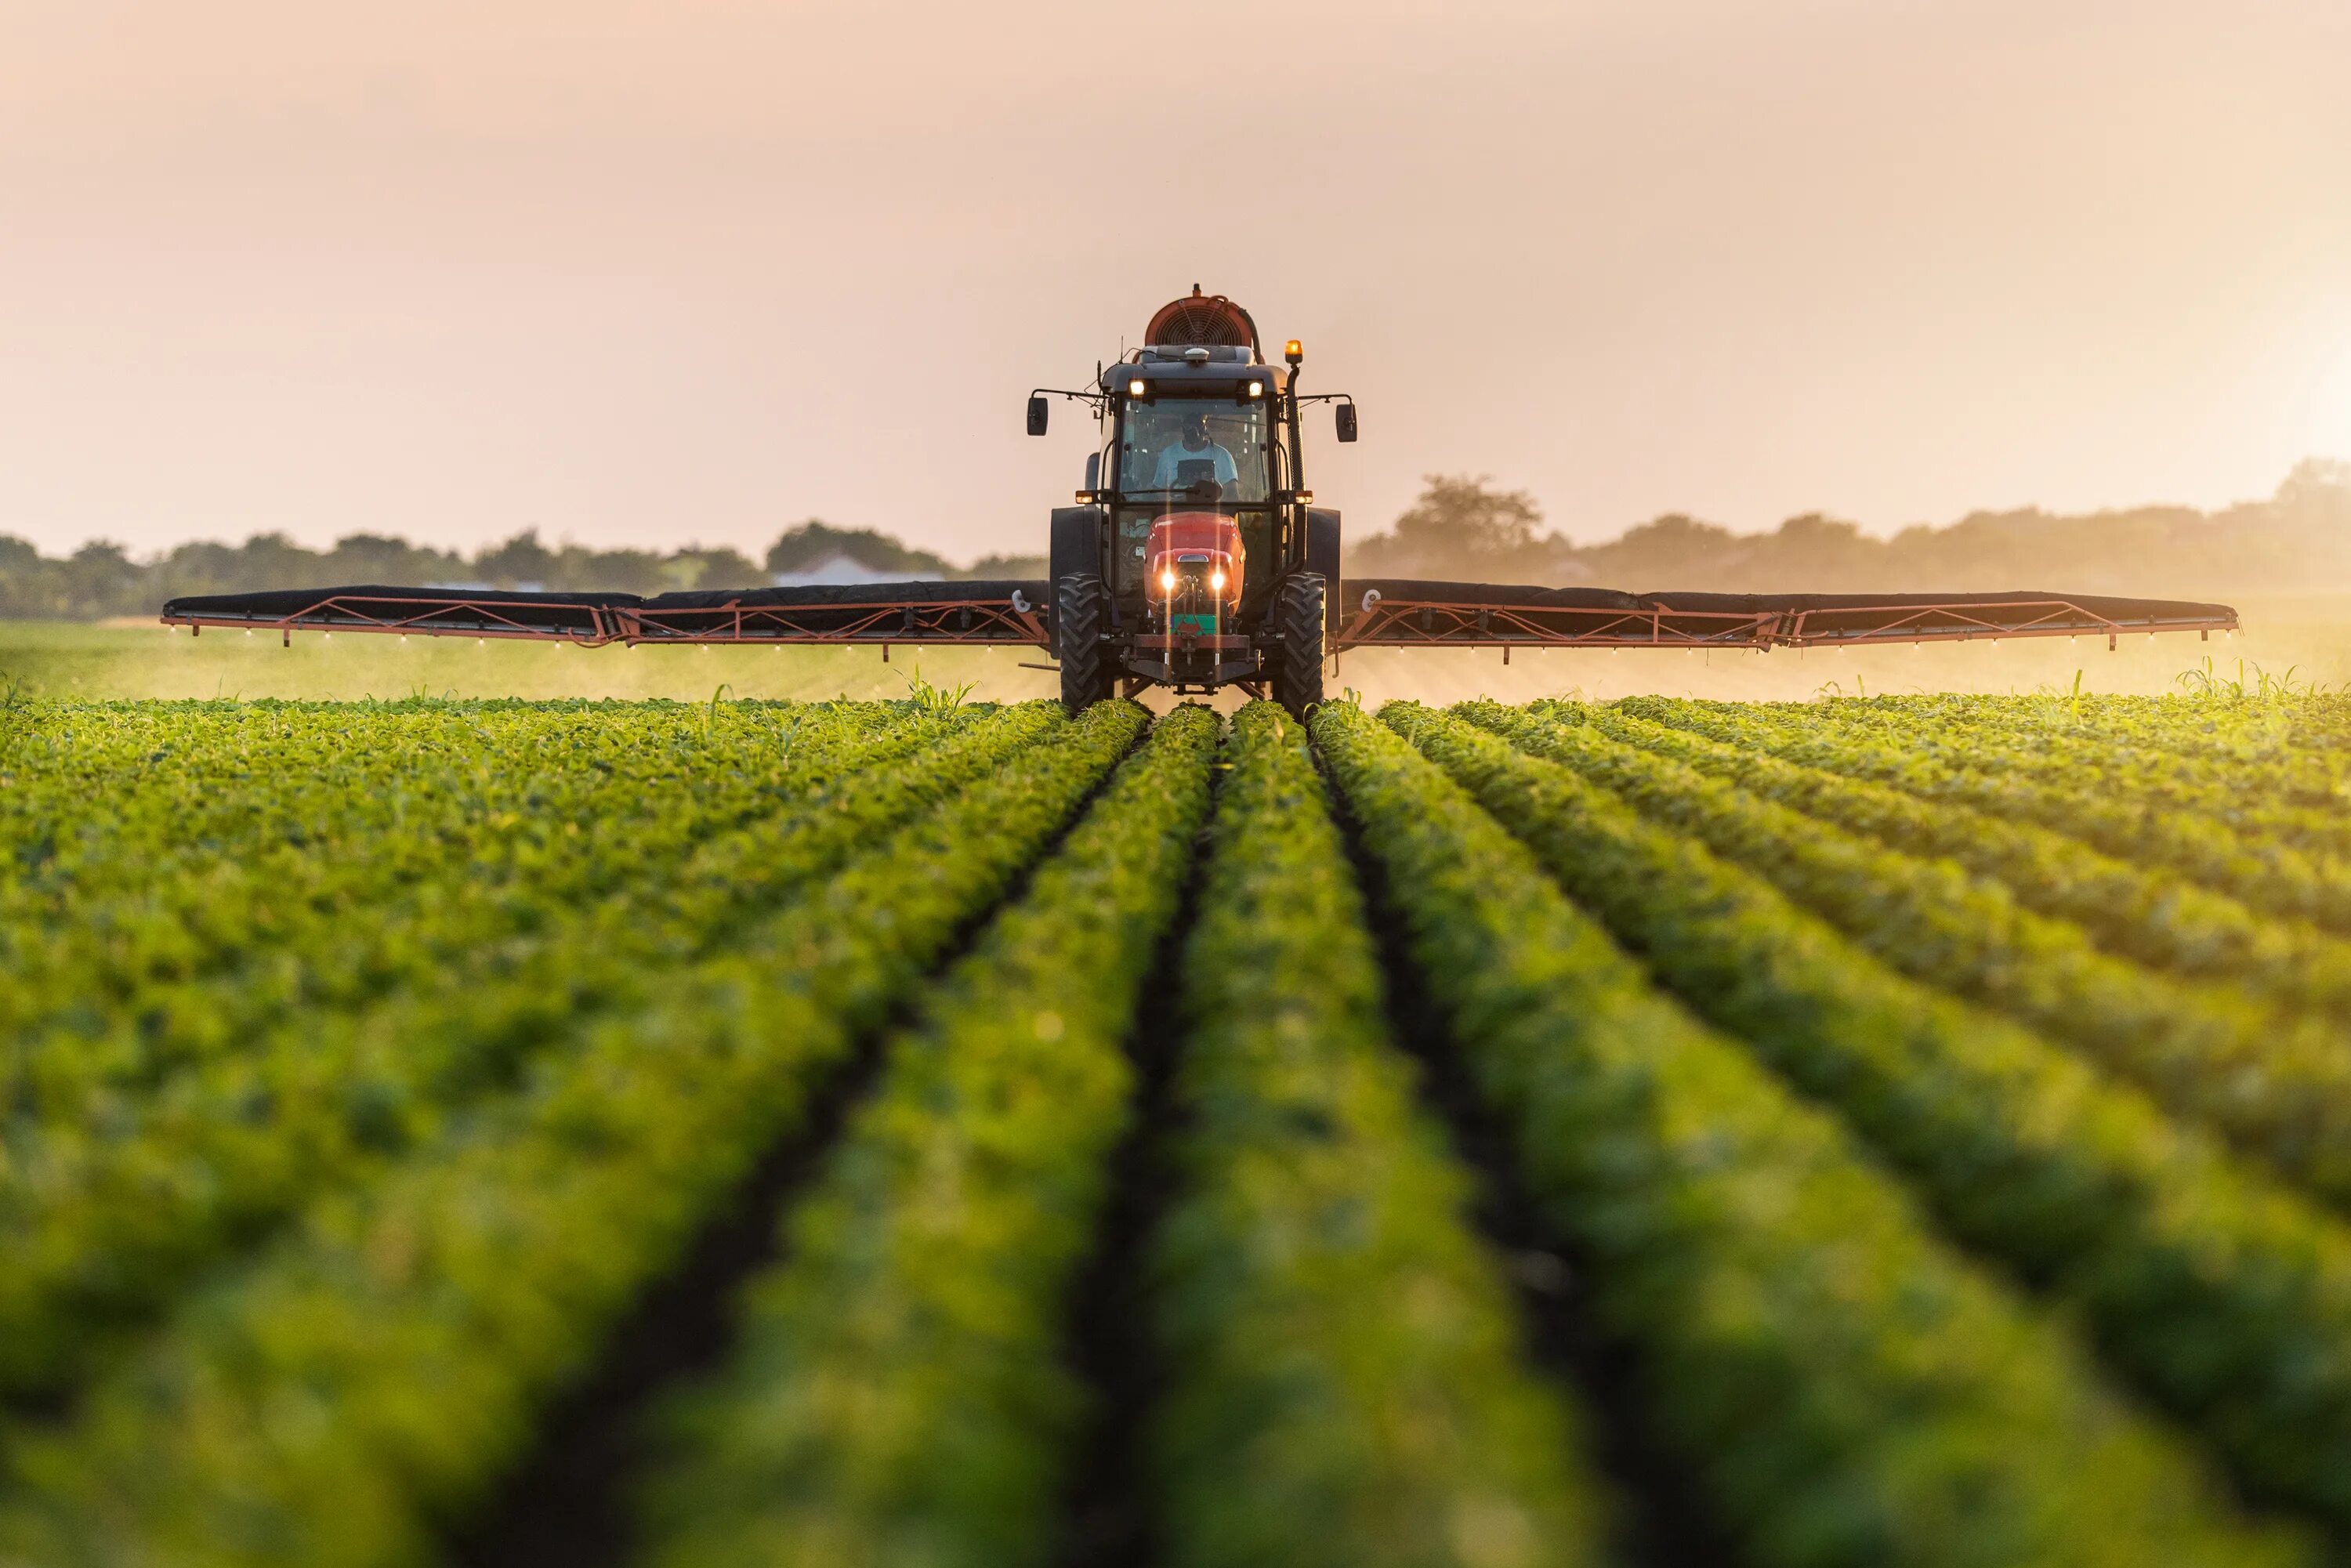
(1217, 578)
(1168, 581)
(1257, 389)
(1137, 387)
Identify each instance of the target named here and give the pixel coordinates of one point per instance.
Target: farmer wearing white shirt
(1195, 447)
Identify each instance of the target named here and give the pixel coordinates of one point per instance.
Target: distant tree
(28, 581)
(1459, 524)
(379, 557)
(521, 558)
(1007, 568)
(1470, 515)
(102, 576)
(580, 568)
(722, 566)
(266, 560)
(1816, 553)
(816, 541)
(1648, 555)
(2316, 478)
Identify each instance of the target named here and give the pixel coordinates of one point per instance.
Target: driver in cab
(1195, 448)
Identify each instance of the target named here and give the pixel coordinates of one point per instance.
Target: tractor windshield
(1170, 450)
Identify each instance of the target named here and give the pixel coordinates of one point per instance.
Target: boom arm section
(1397, 612)
(974, 611)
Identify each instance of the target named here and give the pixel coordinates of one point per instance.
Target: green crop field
(913, 1131)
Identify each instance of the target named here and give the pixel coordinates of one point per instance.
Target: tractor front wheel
(1081, 618)
(1298, 619)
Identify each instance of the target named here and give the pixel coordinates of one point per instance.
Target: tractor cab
(1196, 445)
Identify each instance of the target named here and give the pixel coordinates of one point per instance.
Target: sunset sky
(651, 273)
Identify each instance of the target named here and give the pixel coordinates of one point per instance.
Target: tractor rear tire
(1300, 619)
(1081, 617)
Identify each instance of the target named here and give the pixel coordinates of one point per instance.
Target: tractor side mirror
(1346, 422)
(1037, 416)
(1093, 470)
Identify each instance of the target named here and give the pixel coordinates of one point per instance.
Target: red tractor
(1196, 557)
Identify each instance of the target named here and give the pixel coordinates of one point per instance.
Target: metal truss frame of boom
(1397, 614)
(1404, 622)
(1002, 621)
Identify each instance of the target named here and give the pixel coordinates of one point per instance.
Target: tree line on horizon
(2298, 539)
(1461, 527)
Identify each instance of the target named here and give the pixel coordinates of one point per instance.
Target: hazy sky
(691, 270)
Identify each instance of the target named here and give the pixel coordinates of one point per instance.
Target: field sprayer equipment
(1194, 558)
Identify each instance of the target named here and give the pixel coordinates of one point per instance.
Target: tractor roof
(1169, 375)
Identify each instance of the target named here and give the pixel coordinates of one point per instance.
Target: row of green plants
(1345, 1384)
(158, 871)
(97, 788)
(114, 1196)
(2148, 913)
(2158, 752)
(145, 911)
(1843, 1387)
(2219, 1292)
(897, 1392)
(2275, 1083)
(123, 979)
(2294, 799)
(506, 817)
(2274, 878)
(100, 773)
(2288, 735)
(2289, 743)
(2177, 752)
(354, 1392)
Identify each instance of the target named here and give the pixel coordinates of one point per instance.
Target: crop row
(433, 916)
(2149, 760)
(164, 954)
(361, 1382)
(2148, 913)
(1845, 1388)
(898, 1394)
(2274, 878)
(322, 786)
(2294, 800)
(2215, 1290)
(168, 957)
(1344, 1382)
(94, 782)
(116, 1193)
(2278, 1085)
(2290, 743)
